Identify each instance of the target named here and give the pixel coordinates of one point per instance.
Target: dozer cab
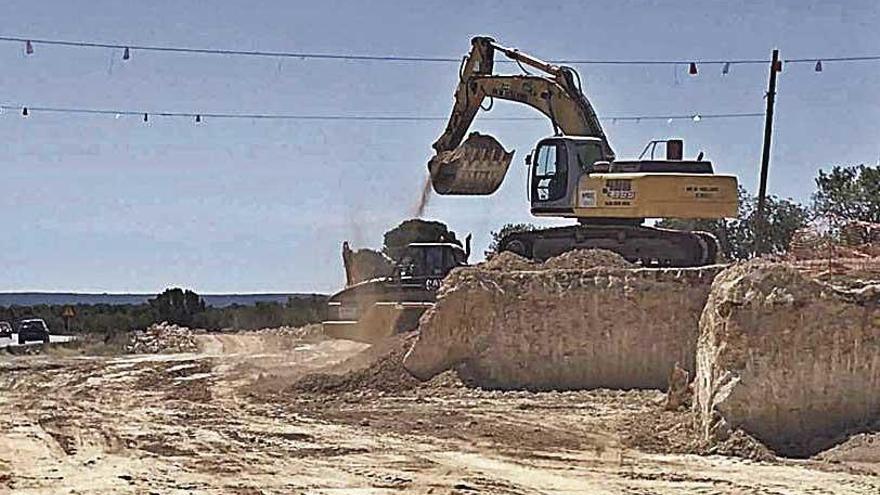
(370, 310)
(575, 173)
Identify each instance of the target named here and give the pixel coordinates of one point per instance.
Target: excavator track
(647, 246)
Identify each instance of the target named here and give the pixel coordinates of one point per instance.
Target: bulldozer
(372, 309)
(574, 173)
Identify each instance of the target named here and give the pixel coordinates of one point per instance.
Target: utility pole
(761, 227)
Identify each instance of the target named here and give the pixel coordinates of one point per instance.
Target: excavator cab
(556, 166)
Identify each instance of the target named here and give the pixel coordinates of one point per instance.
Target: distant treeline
(58, 298)
(175, 306)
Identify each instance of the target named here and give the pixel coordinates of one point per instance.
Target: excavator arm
(478, 165)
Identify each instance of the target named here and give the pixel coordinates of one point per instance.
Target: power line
(27, 110)
(216, 51)
(128, 48)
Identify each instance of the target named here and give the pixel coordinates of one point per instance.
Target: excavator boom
(574, 173)
(479, 164)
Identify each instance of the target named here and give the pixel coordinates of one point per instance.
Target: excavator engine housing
(568, 178)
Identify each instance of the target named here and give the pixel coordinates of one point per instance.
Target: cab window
(587, 154)
(549, 173)
(434, 260)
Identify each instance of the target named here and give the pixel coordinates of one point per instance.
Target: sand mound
(741, 444)
(507, 261)
(661, 431)
(584, 259)
(577, 259)
(862, 449)
(313, 332)
(790, 360)
(563, 329)
(379, 367)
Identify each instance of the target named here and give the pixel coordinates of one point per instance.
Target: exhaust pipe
(674, 149)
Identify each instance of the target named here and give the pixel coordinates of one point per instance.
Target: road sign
(68, 313)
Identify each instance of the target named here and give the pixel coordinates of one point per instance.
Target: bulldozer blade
(476, 167)
(379, 322)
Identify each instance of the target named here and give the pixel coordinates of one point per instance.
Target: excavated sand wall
(563, 329)
(792, 361)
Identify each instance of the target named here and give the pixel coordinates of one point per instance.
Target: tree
(848, 193)
(177, 306)
(507, 229)
(737, 237)
(415, 230)
(783, 218)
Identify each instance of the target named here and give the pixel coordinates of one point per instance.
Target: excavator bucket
(476, 167)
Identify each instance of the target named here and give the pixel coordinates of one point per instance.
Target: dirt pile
(508, 262)
(563, 329)
(862, 451)
(740, 444)
(584, 259)
(578, 259)
(661, 431)
(310, 333)
(790, 360)
(379, 367)
(163, 337)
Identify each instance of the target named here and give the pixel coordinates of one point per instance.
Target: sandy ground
(224, 421)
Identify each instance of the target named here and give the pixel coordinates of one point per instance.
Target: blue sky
(103, 204)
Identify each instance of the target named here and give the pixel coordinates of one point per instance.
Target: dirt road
(224, 421)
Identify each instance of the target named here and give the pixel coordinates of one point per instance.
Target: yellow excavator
(575, 173)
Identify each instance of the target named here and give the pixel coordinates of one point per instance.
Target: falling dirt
(227, 419)
(424, 198)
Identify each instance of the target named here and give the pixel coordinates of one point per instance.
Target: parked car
(5, 330)
(33, 329)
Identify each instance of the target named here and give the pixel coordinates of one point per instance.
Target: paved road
(54, 339)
